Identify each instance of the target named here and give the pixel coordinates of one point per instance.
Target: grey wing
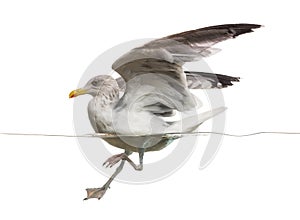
(163, 59)
(198, 80)
(153, 79)
(190, 45)
(121, 83)
(177, 49)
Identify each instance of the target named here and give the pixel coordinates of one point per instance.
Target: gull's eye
(95, 82)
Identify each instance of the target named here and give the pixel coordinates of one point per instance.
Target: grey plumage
(155, 85)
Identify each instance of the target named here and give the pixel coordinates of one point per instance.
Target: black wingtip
(235, 29)
(226, 80)
(239, 29)
(236, 26)
(215, 79)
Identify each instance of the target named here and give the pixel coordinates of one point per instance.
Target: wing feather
(165, 57)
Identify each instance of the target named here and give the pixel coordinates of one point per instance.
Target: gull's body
(101, 111)
(155, 86)
(105, 115)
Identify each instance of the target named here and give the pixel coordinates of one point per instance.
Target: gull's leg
(141, 157)
(110, 162)
(99, 192)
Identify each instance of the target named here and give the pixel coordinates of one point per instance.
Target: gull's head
(94, 86)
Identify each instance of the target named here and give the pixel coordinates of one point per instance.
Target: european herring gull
(155, 86)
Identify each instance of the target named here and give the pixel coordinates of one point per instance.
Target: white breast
(100, 114)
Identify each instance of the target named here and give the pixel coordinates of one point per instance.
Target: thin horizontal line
(108, 135)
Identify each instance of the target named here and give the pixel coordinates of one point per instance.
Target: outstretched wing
(201, 40)
(177, 49)
(163, 59)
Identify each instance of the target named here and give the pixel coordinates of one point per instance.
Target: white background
(44, 49)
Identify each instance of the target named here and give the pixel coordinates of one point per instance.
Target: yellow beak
(77, 92)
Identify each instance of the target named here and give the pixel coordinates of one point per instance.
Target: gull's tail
(191, 123)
